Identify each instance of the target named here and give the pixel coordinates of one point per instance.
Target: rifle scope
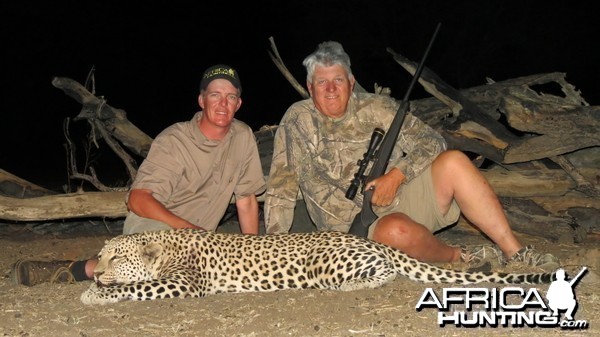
(359, 176)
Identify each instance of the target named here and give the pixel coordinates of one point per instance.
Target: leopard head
(126, 259)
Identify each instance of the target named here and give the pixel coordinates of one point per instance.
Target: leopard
(191, 263)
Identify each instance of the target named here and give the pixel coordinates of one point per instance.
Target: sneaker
(529, 256)
(30, 273)
(481, 257)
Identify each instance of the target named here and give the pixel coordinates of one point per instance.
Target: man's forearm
(248, 214)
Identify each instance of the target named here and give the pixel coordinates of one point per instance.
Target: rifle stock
(363, 220)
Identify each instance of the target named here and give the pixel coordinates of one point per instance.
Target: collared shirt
(318, 155)
(195, 177)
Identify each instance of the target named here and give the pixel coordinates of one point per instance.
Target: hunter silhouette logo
(509, 306)
(561, 294)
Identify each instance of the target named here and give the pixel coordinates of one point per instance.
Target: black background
(149, 57)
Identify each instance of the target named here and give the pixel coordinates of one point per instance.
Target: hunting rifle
(366, 216)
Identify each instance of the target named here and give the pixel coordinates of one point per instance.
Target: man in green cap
(187, 180)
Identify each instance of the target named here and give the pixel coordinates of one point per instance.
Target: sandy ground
(55, 309)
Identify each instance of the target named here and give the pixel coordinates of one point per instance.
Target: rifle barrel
(363, 219)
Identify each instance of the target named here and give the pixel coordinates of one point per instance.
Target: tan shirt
(318, 156)
(195, 177)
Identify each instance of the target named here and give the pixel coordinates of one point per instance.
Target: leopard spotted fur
(192, 263)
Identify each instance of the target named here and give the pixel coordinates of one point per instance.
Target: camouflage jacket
(318, 155)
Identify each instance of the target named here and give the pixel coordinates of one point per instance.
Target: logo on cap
(220, 71)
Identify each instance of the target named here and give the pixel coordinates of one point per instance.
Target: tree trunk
(64, 206)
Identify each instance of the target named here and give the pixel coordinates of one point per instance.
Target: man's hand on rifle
(385, 187)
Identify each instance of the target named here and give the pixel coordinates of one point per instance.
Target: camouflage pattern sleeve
(282, 186)
(421, 145)
(318, 155)
(418, 144)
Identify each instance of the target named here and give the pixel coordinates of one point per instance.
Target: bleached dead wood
(114, 120)
(64, 206)
(548, 125)
(112, 204)
(108, 124)
(16, 187)
(529, 183)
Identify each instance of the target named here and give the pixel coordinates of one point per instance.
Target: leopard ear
(151, 252)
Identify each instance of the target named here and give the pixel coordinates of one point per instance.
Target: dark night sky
(149, 58)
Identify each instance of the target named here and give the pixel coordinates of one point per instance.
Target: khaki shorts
(417, 200)
(137, 224)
